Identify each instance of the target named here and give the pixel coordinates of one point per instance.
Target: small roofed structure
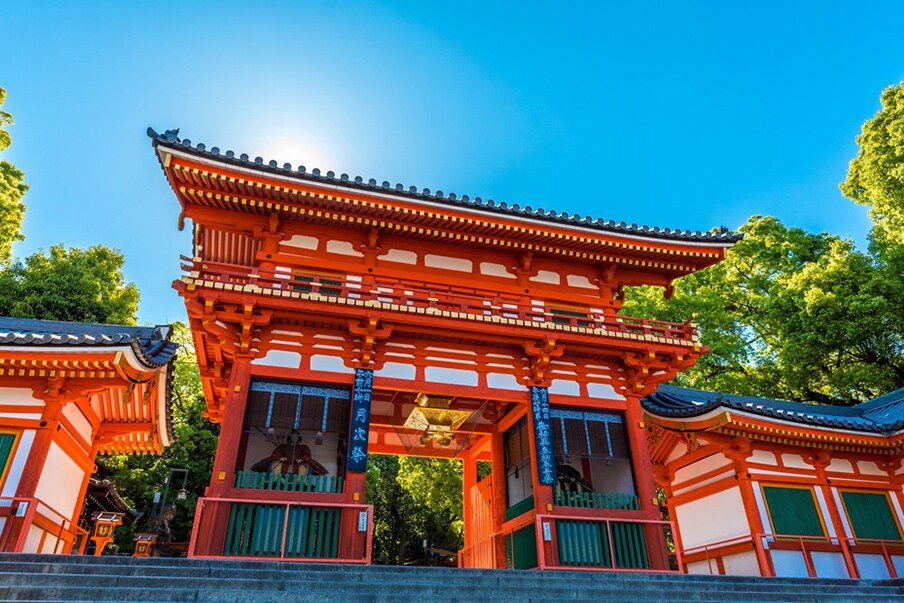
(102, 497)
(777, 488)
(69, 391)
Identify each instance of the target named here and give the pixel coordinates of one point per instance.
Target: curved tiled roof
(884, 414)
(170, 138)
(151, 344)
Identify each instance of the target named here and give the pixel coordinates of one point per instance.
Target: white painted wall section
(79, 421)
(450, 376)
(696, 519)
(741, 564)
(704, 465)
(397, 370)
(829, 564)
(332, 364)
(60, 481)
(448, 263)
(280, 359)
(789, 564)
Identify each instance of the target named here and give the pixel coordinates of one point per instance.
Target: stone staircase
(72, 578)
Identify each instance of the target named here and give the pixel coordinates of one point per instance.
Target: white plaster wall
(60, 481)
(603, 391)
(79, 421)
(896, 560)
(871, 566)
(841, 466)
(447, 263)
(33, 540)
(704, 465)
(829, 564)
(503, 381)
(450, 376)
(565, 387)
(763, 457)
(870, 468)
(19, 396)
(18, 466)
(396, 370)
(333, 364)
(302, 242)
(578, 280)
(795, 461)
(343, 248)
(716, 517)
(741, 564)
(279, 358)
(789, 564)
(545, 276)
(491, 269)
(701, 567)
(400, 255)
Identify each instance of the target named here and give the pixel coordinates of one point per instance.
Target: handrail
(541, 550)
(395, 294)
(368, 533)
(32, 505)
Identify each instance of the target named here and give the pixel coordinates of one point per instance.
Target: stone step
(195, 567)
(76, 593)
(49, 578)
(39, 574)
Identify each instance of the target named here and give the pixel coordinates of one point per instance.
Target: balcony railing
(288, 482)
(400, 296)
(597, 500)
(594, 543)
(55, 532)
(235, 528)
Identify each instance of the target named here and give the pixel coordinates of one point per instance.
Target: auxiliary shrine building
(68, 392)
(335, 317)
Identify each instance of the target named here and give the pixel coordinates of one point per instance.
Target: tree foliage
(876, 176)
(415, 499)
(83, 285)
(791, 314)
(12, 189)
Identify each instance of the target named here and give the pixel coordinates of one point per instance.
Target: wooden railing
(594, 543)
(288, 482)
(402, 296)
(596, 500)
(20, 514)
(234, 528)
(764, 544)
(519, 508)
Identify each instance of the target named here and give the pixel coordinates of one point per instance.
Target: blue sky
(681, 115)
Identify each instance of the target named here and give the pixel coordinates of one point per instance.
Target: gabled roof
(882, 415)
(170, 139)
(151, 344)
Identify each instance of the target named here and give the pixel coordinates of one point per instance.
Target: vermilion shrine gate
(335, 317)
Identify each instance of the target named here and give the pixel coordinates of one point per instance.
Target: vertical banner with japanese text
(360, 424)
(546, 462)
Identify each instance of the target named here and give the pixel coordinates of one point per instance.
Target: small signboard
(20, 510)
(362, 521)
(547, 534)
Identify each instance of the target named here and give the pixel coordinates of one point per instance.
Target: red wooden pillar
(224, 464)
(645, 483)
(40, 446)
(209, 533)
(469, 480)
(497, 451)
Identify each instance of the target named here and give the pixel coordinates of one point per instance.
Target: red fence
(28, 516)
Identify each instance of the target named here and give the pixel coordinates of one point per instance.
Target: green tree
(791, 314)
(876, 176)
(12, 189)
(138, 477)
(415, 499)
(82, 285)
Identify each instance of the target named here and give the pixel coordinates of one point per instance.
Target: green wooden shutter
(793, 511)
(870, 515)
(6, 447)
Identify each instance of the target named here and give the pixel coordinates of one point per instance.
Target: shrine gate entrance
(335, 317)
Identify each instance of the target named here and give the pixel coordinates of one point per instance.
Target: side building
(336, 317)
(68, 392)
(797, 489)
